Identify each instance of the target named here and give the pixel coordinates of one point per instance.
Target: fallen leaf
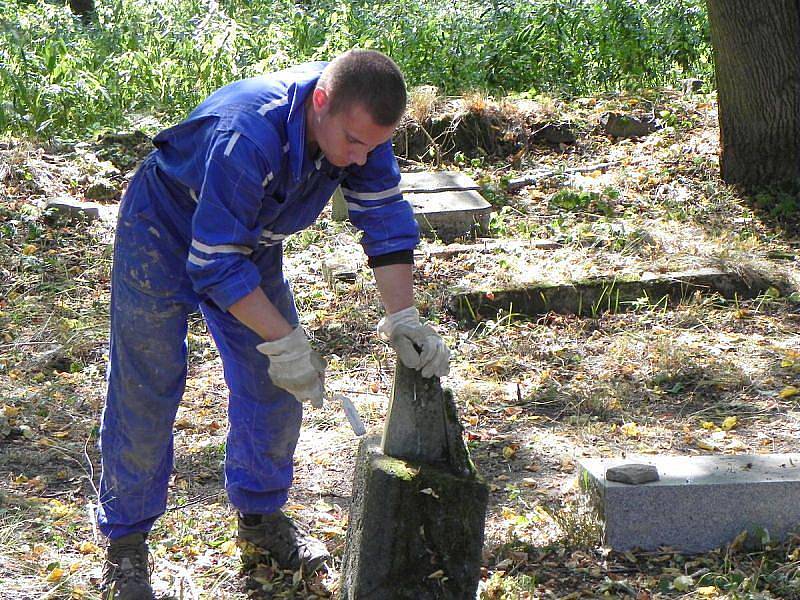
(509, 452)
(228, 547)
(729, 423)
(10, 411)
(682, 583)
(55, 575)
(630, 430)
(88, 548)
(788, 392)
(706, 444)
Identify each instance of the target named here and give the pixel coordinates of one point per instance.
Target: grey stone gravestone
(419, 507)
(447, 204)
(699, 503)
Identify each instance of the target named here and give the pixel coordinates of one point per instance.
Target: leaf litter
(536, 395)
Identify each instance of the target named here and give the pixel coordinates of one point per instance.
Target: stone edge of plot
(606, 294)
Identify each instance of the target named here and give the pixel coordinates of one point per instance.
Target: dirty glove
(295, 367)
(418, 346)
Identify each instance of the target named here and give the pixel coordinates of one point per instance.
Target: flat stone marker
(416, 523)
(605, 294)
(699, 503)
(447, 204)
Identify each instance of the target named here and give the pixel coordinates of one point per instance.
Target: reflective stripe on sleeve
(372, 195)
(232, 142)
(278, 102)
(200, 262)
(352, 206)
(221, 248)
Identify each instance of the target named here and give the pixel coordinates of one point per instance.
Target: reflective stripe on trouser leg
(147, 371)
(264, 419)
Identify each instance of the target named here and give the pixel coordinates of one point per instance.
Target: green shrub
(61, 77)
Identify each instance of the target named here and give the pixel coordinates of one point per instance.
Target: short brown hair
(369, 78)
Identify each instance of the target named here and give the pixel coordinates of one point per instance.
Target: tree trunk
(757, 63)
(81, 8)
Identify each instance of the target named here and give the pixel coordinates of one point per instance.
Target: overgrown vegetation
(61, 77)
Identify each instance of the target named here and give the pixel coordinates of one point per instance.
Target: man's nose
(358, 157)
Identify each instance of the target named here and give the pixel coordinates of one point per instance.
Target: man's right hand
(295, 367)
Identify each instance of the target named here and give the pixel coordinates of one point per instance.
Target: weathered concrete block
(422, 424)
(627, 126)
(700, 502)
(446, 204)
(69, 208)
(450, 214)
(415, 531)
(606, 294)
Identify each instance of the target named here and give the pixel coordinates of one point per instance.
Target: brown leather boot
(277, 537)
(126, 573)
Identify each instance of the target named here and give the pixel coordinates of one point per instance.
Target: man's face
(348, 136)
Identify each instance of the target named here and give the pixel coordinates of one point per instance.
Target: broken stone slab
(700, 503)
(486, 245)
(339, 269)
(605, 294)
(338, 206)
(415, 531)
(626, 126)
(419, 507)
(446, 204)
(632, 473)
(69, 209)
(422, 423)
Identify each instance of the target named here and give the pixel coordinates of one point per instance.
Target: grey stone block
(422, 424)
(68, 208)
(419, 507)
(450, 215)
(415, 531)
(700, 502)
(436, 181)
(626, 126)
(613, 294)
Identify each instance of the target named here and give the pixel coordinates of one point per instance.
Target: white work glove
(295, 367)
(418, 346)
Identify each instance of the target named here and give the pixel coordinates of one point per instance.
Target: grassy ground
(536, 396)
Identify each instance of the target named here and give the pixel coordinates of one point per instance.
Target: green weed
(62, 77)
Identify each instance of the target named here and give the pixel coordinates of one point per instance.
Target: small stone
(101, 189)
(626, 126)
(633, 474)
(691, 85)
(555, 133)
(69, 208)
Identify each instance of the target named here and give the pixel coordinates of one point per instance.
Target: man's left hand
(417, 345)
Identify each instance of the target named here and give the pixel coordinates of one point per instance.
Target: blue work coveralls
(201, 225)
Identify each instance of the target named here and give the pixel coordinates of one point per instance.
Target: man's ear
(320, 99)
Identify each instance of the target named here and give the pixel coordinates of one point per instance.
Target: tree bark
(81, 8)
(757, 63)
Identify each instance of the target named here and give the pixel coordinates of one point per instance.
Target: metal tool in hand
(351, 412)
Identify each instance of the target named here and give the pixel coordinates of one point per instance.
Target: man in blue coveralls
(201, 225)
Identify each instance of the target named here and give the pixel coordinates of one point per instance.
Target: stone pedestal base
(415, 532)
